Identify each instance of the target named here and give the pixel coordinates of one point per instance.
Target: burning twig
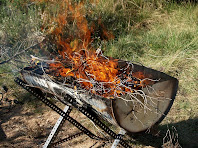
(102, 82)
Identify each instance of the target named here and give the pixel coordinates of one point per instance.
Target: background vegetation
(159, 34)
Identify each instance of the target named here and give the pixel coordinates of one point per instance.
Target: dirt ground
(24, 126)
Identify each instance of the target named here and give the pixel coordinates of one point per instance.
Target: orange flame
(80, 61)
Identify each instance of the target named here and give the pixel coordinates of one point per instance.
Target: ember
(100, 75)
(121, 92)
(91, 69)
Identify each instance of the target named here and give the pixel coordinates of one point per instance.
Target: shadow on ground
(6, 113)
(187, 131)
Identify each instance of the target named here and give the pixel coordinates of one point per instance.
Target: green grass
(18, 20)
(158, 34)
(168, 43)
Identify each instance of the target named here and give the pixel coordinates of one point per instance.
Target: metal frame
(116, 141)
(56, 128)
(64, 115)
(59, 124)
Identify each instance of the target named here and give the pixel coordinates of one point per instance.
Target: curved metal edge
(174, 92)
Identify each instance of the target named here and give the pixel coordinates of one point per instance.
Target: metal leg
(116, 141)
(38, 93)
(55, 129)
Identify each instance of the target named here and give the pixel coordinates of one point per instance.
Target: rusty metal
(134, 118)
(88, 113)
(124, 113)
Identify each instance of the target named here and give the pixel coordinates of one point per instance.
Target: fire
(91, 69)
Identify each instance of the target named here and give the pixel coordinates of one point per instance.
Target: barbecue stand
(126, 114)
(64, 115)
